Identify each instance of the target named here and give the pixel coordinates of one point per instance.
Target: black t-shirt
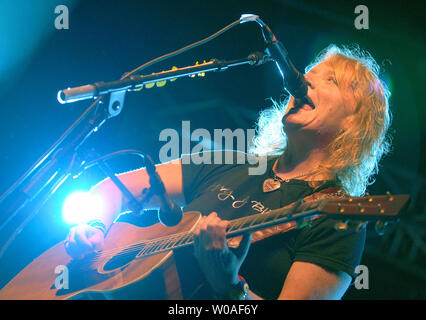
(229, 190)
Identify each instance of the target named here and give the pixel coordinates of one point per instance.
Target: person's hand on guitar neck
(219, 263)
(82, 240)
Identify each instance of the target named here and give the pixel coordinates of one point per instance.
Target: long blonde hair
(355, 151)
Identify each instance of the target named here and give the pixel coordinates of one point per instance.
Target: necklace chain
(292, 178)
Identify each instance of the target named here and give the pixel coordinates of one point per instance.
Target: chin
(292, 120)
(291, 125)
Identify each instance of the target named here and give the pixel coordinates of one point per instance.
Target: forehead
(321, 68)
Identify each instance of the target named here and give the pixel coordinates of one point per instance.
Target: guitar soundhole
(119, 261)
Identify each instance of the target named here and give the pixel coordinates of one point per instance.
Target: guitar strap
(288, 226)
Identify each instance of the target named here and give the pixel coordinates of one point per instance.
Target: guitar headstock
(381, 207)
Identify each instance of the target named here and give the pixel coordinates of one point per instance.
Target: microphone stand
(136, 82)
(27, 196)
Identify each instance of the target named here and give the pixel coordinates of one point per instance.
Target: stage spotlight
(81, 206)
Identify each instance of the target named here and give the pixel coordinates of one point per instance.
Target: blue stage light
(82, 206)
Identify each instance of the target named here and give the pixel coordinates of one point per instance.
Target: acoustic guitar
(130, 253)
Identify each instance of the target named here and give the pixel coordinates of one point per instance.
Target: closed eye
(332, 79)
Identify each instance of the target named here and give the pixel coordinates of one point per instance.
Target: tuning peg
(341, 226)
(389, 196)
(369, 197)
(380, 227)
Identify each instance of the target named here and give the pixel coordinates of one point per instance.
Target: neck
(302, 157)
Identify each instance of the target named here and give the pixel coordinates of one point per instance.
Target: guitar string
(138, 245)
(167, 239)
(146, 245)
(158, 243)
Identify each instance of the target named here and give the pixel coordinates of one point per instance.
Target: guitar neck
(274, 217)
(238, 226)
(357, 208)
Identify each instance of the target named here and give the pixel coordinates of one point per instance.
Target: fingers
(219, 264)
(243, 248)
(71, 247)
(83, 239)
(210, 232)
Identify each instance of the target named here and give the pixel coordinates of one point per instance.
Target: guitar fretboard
(236, 227)
(355, 208)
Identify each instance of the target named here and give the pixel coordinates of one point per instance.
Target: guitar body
(55, 276)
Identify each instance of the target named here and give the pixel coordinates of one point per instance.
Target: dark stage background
(107, 38)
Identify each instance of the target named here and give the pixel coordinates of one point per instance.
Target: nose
(310, 85)
(309, 81)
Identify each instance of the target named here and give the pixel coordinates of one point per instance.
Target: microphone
(170, 214)
(294, 81)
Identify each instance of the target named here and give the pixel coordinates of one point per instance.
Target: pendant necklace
(272, 184)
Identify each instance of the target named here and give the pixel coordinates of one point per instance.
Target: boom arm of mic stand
(138, 81)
